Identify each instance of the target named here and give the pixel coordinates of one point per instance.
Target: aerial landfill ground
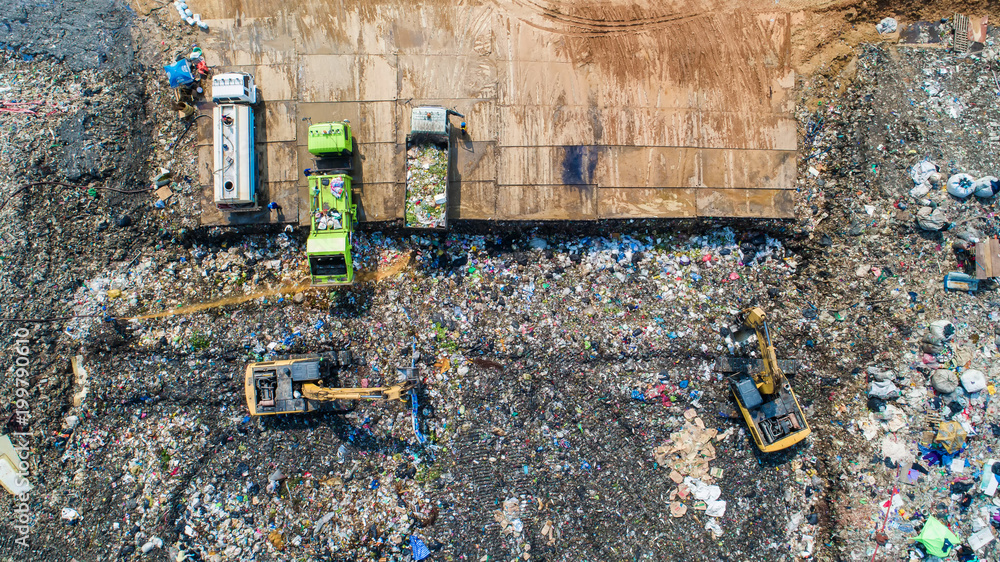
(658, 280)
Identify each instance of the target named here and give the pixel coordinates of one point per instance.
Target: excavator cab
(762, 392)
(275, 387)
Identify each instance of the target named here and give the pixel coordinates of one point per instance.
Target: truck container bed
(428, 156)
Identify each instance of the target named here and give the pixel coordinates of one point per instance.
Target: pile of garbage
(926, 177)
(426, 186)
(897, 215)
(949, 398)
(515, 337)
(687, 455)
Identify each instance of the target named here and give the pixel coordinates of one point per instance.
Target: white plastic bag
(886, 390)
(921, 171)
(931, 219)
(702, 491)
(920, 190)
(942, 330)
(973, 381)
(887, 25)
(961, 185)
(986, 186)
(715, 508)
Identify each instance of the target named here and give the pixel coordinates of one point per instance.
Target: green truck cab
(329, 138)
(331, 208)
(332, 146)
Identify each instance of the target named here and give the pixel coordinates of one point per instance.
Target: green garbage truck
(333, 213)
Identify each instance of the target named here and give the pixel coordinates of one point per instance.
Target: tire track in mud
(589, 26)
(733, 53)
(608, 22)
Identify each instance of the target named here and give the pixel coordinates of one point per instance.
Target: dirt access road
(575, 110)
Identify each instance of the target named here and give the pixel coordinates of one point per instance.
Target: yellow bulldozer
(295, 385)
(763, 394)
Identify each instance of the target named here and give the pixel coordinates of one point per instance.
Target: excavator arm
(770, 376)
(319, 393)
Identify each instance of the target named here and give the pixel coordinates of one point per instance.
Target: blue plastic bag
(179, 73)
(420, 550)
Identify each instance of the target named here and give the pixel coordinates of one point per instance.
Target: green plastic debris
(936, 538)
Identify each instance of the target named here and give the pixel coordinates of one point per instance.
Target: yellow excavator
(295, 385)
(763, 394)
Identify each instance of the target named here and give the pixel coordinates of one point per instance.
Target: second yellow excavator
(295, 386)
(763, 394)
